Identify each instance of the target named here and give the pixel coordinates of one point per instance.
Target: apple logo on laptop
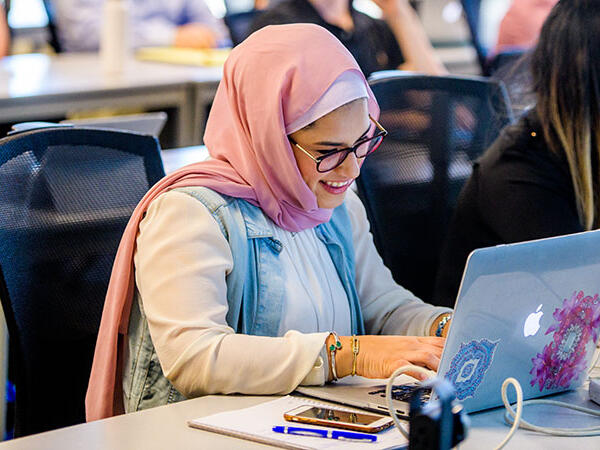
(532, 323)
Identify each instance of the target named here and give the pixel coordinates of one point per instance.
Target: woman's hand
(380, 356)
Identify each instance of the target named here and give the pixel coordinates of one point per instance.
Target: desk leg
(186, 118)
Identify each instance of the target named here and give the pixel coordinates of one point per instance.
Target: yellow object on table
(185, 56)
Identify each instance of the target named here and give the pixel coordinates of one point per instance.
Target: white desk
(38, 87)
(165, 428)
(41, 87)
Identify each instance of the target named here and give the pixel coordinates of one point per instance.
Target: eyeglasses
(362, 148)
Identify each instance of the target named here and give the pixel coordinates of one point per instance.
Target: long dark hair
(566, 79)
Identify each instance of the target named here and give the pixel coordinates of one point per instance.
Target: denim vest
(255, 290)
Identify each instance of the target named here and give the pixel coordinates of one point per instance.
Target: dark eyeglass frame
(319, 159)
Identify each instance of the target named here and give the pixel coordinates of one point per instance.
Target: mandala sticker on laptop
(576, 327)
(469, 365)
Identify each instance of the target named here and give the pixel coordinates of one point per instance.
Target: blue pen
(330, 434)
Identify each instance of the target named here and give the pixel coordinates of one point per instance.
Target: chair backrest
(239, 24)
(437, 126)
(67, 194)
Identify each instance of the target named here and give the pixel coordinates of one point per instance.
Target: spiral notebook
(256, 423)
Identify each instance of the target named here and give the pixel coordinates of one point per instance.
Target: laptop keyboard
(402, 392)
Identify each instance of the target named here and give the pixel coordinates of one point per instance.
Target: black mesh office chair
(67, 194)
(239, 24)
(437, 126)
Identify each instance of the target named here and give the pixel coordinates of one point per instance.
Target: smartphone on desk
(330, 417)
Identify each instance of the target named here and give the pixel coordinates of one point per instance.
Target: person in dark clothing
(541, 177)
(519, 190)
(398, 42)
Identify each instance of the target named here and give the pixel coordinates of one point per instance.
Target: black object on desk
(439, 424)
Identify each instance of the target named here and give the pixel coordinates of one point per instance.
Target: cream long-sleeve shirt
(181, 262)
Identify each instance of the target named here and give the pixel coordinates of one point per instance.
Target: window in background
(27, 14)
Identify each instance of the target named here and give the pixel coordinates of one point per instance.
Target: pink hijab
(269, 81)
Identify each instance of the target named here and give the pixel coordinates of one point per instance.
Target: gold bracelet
(355, 349)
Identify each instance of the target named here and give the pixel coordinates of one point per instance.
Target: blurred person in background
(522, 23)
(396, 42)
(181, 23)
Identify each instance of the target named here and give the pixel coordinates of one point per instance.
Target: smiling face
(340, 128)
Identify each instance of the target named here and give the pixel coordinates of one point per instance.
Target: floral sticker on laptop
(563, 360)
(469, 365)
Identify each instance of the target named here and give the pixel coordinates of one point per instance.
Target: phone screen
(332, 415)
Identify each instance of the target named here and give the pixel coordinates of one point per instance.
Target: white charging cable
(517, 414)
(388, 392)
(512, 417)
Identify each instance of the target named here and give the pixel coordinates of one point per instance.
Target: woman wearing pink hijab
(240, 274)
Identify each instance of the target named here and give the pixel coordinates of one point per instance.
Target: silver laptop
(144, 123)
(529, 310)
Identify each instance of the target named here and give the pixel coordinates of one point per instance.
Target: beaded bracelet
(441, 324)
(337, 345)
(355, 350)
